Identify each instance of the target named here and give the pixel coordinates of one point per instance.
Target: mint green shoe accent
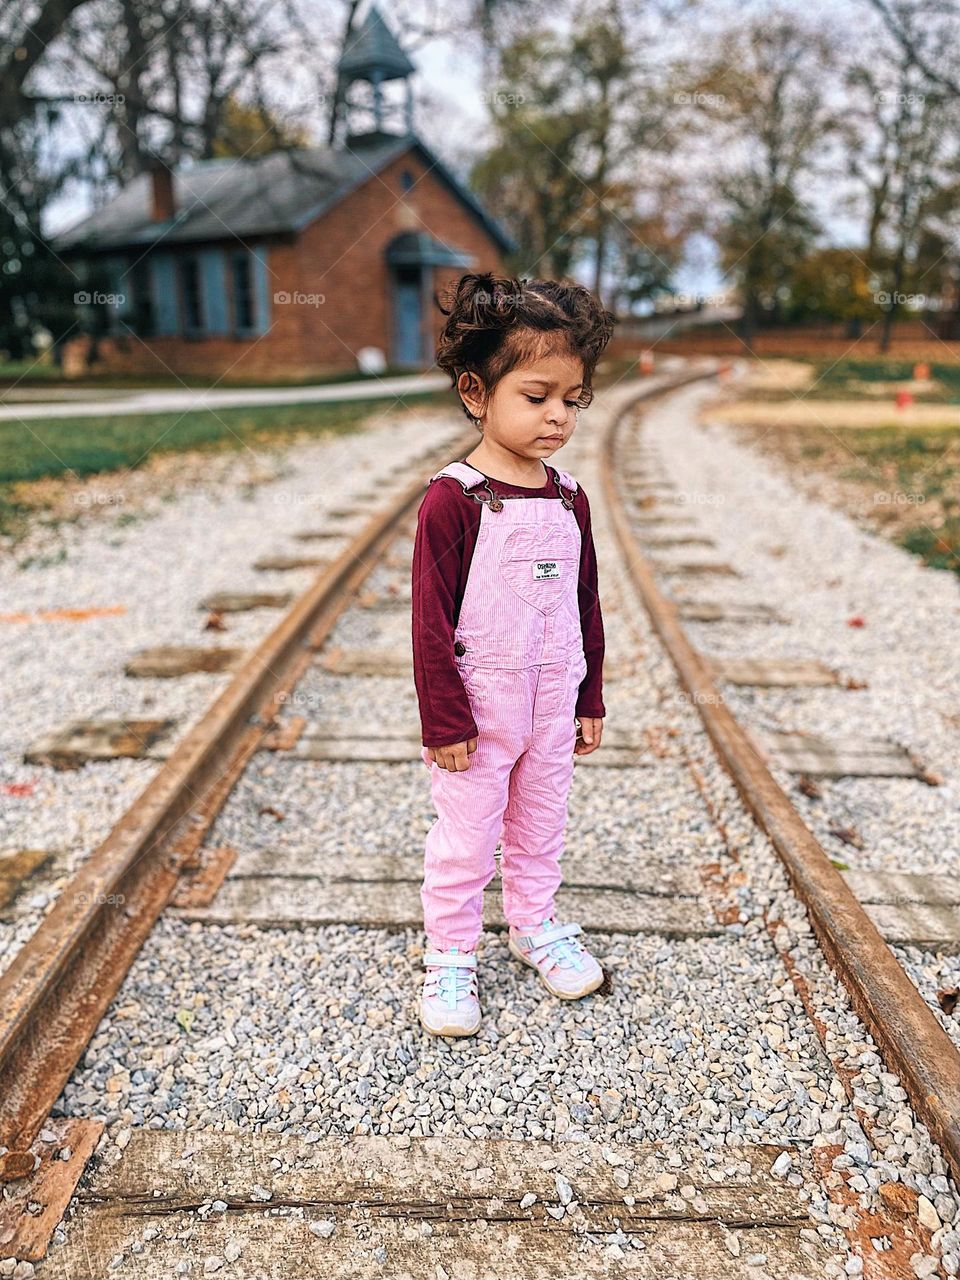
(566, 967)
(449, 1003)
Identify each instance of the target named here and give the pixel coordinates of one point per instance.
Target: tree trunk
(887, 331)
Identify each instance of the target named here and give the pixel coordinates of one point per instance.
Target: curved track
(63, 982)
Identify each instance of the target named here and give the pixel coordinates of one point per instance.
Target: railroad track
(538, 1205)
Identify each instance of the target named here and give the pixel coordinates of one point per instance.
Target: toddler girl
(507, 636)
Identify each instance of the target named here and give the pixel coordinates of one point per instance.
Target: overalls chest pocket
(542, 564)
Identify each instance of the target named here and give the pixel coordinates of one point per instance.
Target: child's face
(532, 411)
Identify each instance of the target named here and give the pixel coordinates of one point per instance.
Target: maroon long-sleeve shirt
(447, 526)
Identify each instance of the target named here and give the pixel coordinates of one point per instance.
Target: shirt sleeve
(590, 697)
(445, 715)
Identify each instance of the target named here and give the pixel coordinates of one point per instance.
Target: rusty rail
(63, 978)
(911, 1039)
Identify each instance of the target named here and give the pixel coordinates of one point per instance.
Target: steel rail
(910, 1038)
(61, 981)
(63, 978)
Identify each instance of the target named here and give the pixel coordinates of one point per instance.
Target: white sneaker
(449, 1005)
(566, 967)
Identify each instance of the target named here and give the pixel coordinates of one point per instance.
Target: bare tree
(926, 31)
(762, 93)
(905, 158)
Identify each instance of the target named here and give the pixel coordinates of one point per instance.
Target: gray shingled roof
(262, 195)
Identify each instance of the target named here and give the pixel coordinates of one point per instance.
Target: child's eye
(540, 399)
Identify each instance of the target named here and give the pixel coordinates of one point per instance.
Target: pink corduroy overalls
(519, 649)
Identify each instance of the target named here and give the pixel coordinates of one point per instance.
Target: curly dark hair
(498, 323)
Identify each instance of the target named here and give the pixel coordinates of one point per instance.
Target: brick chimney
(162, 202)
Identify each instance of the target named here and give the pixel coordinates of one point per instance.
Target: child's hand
(588, 739)
(454, 758)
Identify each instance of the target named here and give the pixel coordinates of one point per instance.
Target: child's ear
(471, 392)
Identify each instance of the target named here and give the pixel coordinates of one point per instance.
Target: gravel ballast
(702, 1044)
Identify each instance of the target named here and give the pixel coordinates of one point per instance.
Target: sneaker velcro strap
(555, 934)
(455, 961)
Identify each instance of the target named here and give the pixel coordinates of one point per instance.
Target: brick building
(286, 264)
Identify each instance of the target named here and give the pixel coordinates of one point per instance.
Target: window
(406, 180)
(244, 312)
(191, 294)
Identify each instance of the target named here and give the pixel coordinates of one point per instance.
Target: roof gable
(280, 192)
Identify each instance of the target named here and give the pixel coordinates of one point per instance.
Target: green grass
(834, 380)
(38, 448)
(940, 548)
(28, 371)
(918, 467)
(909, 458)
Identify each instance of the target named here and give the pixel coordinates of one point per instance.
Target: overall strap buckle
(494, 502)
(567, 502)
(469, 478)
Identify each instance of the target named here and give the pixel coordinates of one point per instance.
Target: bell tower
(372, 57)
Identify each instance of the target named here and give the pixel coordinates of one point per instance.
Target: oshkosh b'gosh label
(546, 569)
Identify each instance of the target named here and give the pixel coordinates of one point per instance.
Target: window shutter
(163, 286)
(213, 285)
(261, 288)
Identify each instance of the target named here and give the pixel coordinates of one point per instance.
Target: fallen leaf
(856, 621)
(18, 788)
(898, 1197)
(947, 999)
(848, 835)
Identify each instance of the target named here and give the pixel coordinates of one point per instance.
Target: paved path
(188, 399)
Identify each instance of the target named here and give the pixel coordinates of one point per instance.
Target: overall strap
(469, 477)
(563, 480)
